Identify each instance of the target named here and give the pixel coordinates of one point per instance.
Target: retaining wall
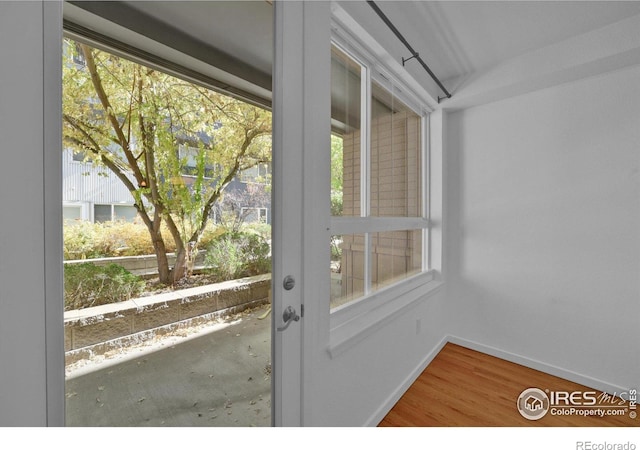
(144, 265)
(86, 328)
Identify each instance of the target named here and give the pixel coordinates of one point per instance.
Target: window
(106, 213)
(79, 156)
(379, 213)
(190, 157)
(259, 173)
(78, 56)
(254, 215)
(126, 213)
(71, 213)
(101, 213)
(82, 157)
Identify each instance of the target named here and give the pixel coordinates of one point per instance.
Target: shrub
(237, 255)
(85, 240)
(88, 285)
(262, 229)
(79, 240)
(336, 202)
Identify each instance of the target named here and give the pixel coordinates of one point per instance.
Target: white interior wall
(358, 386)
(544, 228)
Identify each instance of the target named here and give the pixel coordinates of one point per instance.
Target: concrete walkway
(215, 375)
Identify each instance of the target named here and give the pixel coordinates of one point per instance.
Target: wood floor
(465, 388)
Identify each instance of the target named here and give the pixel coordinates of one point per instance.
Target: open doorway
(166, 199)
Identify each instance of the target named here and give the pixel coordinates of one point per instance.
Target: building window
(102, 213)
(379, 216)
(259, 173)
(127, 213)
(71, 213)
(106, 213)
(82, 156)
(78, 56)
(254, 215)
(191, 157)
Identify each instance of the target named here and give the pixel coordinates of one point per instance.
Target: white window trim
(354, 321)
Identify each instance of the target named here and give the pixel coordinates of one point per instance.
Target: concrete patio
(216, 374)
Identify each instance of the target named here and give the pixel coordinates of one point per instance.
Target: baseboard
(382, 411)
(575, 377)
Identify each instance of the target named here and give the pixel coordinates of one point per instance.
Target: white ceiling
(454, 38)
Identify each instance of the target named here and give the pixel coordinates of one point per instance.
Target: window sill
(356, 321)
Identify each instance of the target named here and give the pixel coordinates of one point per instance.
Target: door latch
(289, 315)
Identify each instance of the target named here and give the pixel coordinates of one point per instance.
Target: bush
(79, 240)
(336, 202)
(237, 255)
(86, 240)
(262, 229)
(88, 285)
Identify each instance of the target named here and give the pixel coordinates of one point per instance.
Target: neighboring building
(95, 194)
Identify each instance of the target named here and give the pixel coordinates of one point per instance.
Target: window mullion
(424, 190)
(365, 169)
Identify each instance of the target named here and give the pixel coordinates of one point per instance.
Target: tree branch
(106, 104)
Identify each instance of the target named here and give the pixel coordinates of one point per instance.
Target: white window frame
(352, 321)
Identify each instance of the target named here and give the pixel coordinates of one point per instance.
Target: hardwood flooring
(465, 388)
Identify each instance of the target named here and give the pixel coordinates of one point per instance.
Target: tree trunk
(180, 267)
(164, 272)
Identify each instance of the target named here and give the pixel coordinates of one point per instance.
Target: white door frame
(301, 139)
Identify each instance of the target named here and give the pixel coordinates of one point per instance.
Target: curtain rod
(414, 54)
